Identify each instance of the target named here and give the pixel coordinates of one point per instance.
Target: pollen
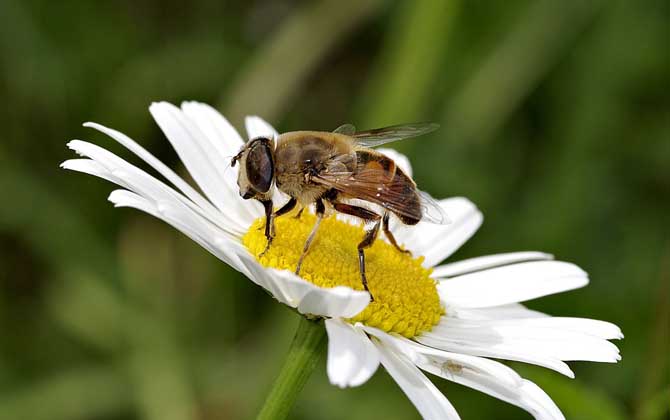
(405, 297)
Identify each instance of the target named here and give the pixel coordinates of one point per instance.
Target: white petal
(114, 169)
(489, 344)
(257, 127)
(437, 242)
(400, 159)
(231, 252)
(222, 141)
(544, 341)
(352, 358)
(591, 327)
(156, 199)
(551, 341)
(201, 160)
(510, 311)
(535, 400)
(420, 354)
(160, 167)
(427, 399)
(88, 166)
(497, 352)
(212, 231)
(189, 223)
(310, 299)
(125, 198)
(485, 375)
(510, 284)
(223, 136)
(490, 261)
(287, 287)
(340, 301)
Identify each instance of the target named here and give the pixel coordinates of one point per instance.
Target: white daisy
(447, 320)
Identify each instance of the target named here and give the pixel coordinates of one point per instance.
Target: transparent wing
(379, 136)
(347, 129)
(378, 187)
(432, 210)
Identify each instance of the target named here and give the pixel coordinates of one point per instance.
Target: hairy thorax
(300, 155)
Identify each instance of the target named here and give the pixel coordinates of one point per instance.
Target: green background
(555, 121)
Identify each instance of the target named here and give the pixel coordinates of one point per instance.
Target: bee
(336, 170)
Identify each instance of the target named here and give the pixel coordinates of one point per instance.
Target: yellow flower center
(405, 298)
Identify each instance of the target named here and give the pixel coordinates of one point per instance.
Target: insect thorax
(302, 154)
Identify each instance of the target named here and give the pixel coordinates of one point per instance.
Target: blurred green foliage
(555, 121)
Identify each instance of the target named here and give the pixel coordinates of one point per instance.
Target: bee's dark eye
(259, 165)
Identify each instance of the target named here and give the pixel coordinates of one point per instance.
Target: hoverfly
(329, 169)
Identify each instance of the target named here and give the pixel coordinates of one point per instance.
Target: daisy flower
(449, 320)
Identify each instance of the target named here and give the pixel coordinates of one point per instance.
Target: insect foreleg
(368, 239)
(269, 224)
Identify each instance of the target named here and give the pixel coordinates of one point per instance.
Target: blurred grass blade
(90, 310)
(156, 360)
(516, 66)
(23, 74)
(575, 399)
(409, 64)
(657, 365)
(657, 407)
(276, 72)
(85, 393)
(157, 367)
(46, 218)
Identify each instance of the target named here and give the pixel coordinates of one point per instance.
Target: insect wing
(346, 129)
(377, 186)
(432, 211)
(379, 136)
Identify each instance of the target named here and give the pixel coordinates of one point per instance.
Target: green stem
(306, 349)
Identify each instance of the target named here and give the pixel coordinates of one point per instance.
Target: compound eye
(259, 165)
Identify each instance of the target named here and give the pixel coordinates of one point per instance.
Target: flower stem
(307, 347)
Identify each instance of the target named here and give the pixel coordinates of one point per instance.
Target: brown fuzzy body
(310, 163)
(300, 154)
(335, 169)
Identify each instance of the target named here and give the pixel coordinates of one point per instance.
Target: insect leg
(297, 216)
(320, 210)
(389, 235)
(368, 239)
(269, 225)
(290, 205)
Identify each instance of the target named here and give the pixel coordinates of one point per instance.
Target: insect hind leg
(390, 237)
(368, 239)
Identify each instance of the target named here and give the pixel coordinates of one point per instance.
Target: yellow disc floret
(405, 298)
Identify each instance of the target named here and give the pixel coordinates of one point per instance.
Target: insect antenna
(230, 162)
